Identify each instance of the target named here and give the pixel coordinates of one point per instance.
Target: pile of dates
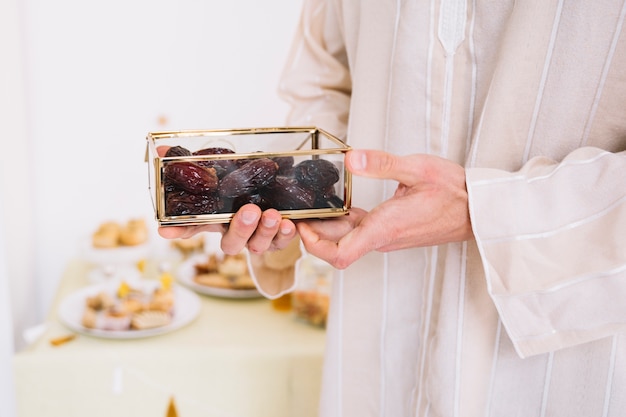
(224, 185)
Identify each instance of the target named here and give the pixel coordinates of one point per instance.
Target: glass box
(205, 176)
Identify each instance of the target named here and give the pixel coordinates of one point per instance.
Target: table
(239, 358)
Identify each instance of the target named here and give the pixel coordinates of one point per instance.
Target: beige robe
(529, 318)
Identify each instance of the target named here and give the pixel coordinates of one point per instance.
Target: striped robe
(529, 318)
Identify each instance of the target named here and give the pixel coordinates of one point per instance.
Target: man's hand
(429, 207)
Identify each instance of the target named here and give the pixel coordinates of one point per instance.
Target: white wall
(101, 74)
(16, 192)
(7, 389)
(16, 278)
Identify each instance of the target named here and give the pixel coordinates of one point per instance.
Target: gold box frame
(310, 142)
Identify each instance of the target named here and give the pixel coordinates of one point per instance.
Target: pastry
(100, 301)
(243, 282)
(104, 240)
(233, 266)
(162, 300)
(212, 279)
(134, 233)
(107, 235)
(90, 318)
(114, 319)
(209, 266)
(150, 319)
(190, 245)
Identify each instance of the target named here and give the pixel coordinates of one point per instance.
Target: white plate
(186, 272)
(186, 309)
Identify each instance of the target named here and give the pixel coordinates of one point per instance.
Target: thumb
(382, 165)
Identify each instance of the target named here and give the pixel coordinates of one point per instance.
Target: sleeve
(552, 238)
(316, 80)
(316, 83)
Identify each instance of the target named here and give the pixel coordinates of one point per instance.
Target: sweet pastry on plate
(189, 245)
(134, 233)
(111, 234)
(129, 308)
(150, 319)
(114, 319)
(229, 272)
(162, 300)
(106, 236)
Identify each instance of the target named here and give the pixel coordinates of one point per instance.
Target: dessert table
(238, 358)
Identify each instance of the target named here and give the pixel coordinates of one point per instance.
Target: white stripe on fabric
(385, 295)
(605, 71)
(554, 232)
(383, 333)
(452, 16)
(459, 330)
(474, 144)
(546, 385)
(429, 79)
(570, 282)
(429, 310)
(494, 366)
(339, 305)
(542, 85)
(562, 165)
(447, 106)
(609, 378)
(472, 103)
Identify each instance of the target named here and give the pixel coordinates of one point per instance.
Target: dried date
(285, 165)
(287, 194)
(221, 166)
(234, 204)
(328, 198)
(191, 177)
(318, 174)
(177, 151)
(248, 179)
(182, 203)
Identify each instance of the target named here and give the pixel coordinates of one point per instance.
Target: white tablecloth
(239, 358)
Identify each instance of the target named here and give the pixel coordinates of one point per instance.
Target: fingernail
(248, 217)
(358, 160)
(285, 230)
(269, 222)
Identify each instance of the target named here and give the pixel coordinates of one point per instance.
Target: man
(486, 275)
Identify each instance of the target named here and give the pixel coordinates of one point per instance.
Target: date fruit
(222, 166)
(190, 177)
(182, 203)
(288, 194)
(177, 151)
(214, 186)
(248, 179)
(318, 174)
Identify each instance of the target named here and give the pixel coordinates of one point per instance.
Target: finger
(265, 232)
(172, 232)
(324, 249)
(162, 150)
(335, 229)
(185, 232)
(286, 232)
(242, 226)
(335, 253)
(383, 165)
(364, 238)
